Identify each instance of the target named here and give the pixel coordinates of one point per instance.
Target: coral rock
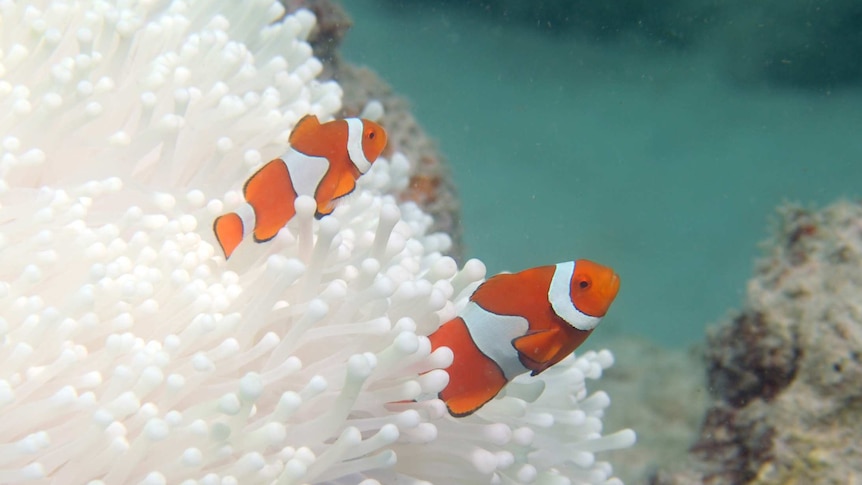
(786, 372)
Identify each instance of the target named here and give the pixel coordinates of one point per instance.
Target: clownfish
(521, 322)
(324, 161)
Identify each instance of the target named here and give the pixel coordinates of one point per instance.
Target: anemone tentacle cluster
(132, 352)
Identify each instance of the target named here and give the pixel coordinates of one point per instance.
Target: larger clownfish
(324, 161)
(522, 322)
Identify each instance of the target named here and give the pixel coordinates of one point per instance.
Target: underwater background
(656, 139)
(663, 139)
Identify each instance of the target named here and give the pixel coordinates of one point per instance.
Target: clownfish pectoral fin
(539, 349)
(306, 126)
(228, 231)
(320, 214)
(344, 187)
(324, 209)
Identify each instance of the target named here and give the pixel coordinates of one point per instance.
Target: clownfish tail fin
(228, 230)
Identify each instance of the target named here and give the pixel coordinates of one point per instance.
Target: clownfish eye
(583, 283)
(371, 135)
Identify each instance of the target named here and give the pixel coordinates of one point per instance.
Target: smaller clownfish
(323, 161)
(521, 322)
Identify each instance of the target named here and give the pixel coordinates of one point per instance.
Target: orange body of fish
(521, 322)
(324, 161)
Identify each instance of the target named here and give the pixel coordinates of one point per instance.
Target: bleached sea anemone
(132, 352)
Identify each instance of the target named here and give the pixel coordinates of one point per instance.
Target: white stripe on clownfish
(493, 335)
(305, 171)
(560, 296)
(246, 214)
(305, 174)
(354, 145)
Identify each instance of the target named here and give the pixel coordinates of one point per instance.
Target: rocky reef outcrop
(786, 371)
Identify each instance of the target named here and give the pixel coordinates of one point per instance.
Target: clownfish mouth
(613, 287)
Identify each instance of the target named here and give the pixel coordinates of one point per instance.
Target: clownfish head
(593, 287)
(373, 140)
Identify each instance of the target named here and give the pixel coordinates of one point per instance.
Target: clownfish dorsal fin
(540, 347)
(305, 127)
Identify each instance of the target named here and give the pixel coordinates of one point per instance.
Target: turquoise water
(663, 162)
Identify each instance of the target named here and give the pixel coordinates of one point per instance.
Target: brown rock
(786, 372)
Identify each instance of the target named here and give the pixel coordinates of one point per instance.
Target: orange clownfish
(323, 161)
(515, 323)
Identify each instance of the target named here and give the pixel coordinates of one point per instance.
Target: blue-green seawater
(651, 160)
